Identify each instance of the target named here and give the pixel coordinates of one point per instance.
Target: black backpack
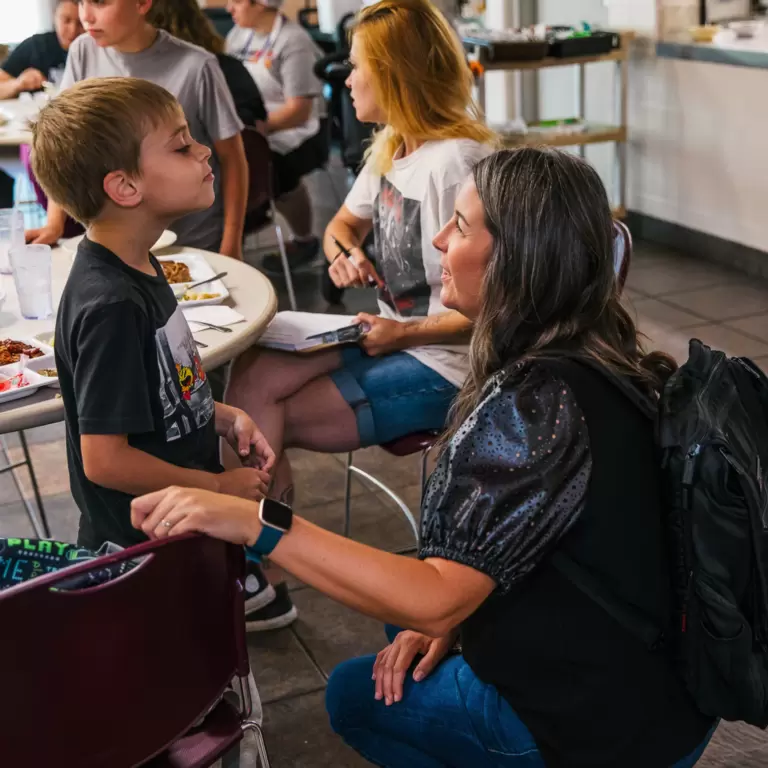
(712, 434)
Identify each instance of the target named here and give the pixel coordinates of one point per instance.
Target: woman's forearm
(430, 596)
(294, 113)
(446, 328)
(344, 233)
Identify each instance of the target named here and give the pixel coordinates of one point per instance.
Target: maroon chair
(260, 209)
(117, 675)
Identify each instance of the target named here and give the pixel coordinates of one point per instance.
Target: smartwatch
(276, 519)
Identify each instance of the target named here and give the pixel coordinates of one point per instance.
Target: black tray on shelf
(498, 51)
(597, 44)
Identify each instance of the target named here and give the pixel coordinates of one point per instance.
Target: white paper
(289, 330)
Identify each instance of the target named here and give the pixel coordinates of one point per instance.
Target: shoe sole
(278, 622)
(260, 599)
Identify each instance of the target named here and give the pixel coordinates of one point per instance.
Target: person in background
(280, 55)
(411, 363)
(41, 58)
(119, 42)
(544, 455)
(185, 20)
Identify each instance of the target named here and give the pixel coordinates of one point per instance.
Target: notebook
(288, 331)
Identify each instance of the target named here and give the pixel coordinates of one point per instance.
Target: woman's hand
(392, 664)
(356, 272)
(249, 443)
(174, 511)
(384, 336)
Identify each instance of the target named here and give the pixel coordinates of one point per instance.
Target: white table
(251, 294)
(15, 133)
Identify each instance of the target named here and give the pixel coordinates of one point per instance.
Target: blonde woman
(410, 76)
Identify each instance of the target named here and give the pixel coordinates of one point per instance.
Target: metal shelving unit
(594, 133)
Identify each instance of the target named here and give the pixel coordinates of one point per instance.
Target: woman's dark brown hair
(550, 285)
(184, 19)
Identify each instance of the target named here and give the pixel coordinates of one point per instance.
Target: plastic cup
(32, 276)
(11, 235)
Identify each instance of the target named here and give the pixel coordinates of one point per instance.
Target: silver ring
(166, 524)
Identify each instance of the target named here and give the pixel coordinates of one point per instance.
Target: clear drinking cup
(32, 274)
(11, 235)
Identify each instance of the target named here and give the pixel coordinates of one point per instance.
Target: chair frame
(36, 516)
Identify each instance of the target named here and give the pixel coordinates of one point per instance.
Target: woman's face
(360, 84)
(466, 246)
(246, 13)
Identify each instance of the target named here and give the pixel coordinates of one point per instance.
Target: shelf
(550, 61)
(595, 134)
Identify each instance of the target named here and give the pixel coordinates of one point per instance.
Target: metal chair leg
(261, 747)
(348, 496)
(283, 256)
(36, 515)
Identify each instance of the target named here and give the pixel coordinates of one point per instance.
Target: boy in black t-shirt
(116, 153)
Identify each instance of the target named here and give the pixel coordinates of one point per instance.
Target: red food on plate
(15, 382)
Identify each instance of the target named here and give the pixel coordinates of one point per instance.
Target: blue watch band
(266, 542)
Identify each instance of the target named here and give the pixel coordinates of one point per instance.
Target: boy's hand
(247, 483)
(249, 444)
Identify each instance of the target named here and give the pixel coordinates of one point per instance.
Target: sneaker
(279, 613)
(258, 591)
(301, 255)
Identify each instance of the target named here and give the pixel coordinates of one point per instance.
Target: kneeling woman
(544, 455)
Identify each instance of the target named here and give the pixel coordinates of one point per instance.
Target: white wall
(697, 149)
(20, 20)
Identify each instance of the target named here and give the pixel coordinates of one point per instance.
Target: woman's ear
(122, 189)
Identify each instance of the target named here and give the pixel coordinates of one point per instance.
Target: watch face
(276, 514)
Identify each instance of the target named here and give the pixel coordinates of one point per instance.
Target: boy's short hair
(90, 130)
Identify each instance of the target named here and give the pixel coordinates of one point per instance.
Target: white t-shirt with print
(408, 207)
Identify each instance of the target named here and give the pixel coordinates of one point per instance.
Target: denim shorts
(392, 396)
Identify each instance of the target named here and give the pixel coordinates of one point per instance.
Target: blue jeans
(393, 395)
(449, 719)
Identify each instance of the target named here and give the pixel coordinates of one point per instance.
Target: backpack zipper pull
(689, 468)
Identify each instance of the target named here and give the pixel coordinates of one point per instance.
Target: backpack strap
(630, 619)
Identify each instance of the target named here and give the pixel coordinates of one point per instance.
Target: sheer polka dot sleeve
(513, 479)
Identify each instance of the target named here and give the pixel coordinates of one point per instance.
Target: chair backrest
(622, 252)
(112, 675)
(259, 158)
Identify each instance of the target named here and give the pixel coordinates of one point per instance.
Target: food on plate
(49, 372)
(11, 351)
(14, 382)
(176, 272)
(199, 296)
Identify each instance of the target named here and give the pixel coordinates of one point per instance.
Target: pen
(345, 251)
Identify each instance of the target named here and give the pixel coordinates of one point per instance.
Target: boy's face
(176, 178)
(110, 22)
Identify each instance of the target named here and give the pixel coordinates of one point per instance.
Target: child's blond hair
(90, 130)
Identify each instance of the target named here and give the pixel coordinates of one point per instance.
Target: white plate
(200, 269)
(166, 240)
(36, 381)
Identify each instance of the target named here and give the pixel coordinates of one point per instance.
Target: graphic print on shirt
(184, 390)
(400, 263)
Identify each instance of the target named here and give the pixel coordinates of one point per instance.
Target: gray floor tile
(334, 633)
(665, 314)
(280, 666)
(753, 326)
(736, 745)
(298, 735)
(676, 275)
(723, 302)
(61, 511)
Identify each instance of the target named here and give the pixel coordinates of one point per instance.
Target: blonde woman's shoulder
(455, 158)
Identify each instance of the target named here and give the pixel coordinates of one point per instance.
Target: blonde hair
(90, 130)
(420, 77)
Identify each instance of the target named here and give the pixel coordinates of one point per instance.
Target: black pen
(345, 251)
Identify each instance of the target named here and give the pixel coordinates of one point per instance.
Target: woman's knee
(350, 693)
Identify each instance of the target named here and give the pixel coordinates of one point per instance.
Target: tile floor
(674, 299)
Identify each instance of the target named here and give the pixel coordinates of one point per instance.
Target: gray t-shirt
(193, 76)
(294, 55)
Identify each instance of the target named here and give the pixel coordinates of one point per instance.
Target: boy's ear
(144, 6)
(122, 189)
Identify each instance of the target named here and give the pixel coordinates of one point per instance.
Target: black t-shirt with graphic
(128, 365)
(43, 52)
